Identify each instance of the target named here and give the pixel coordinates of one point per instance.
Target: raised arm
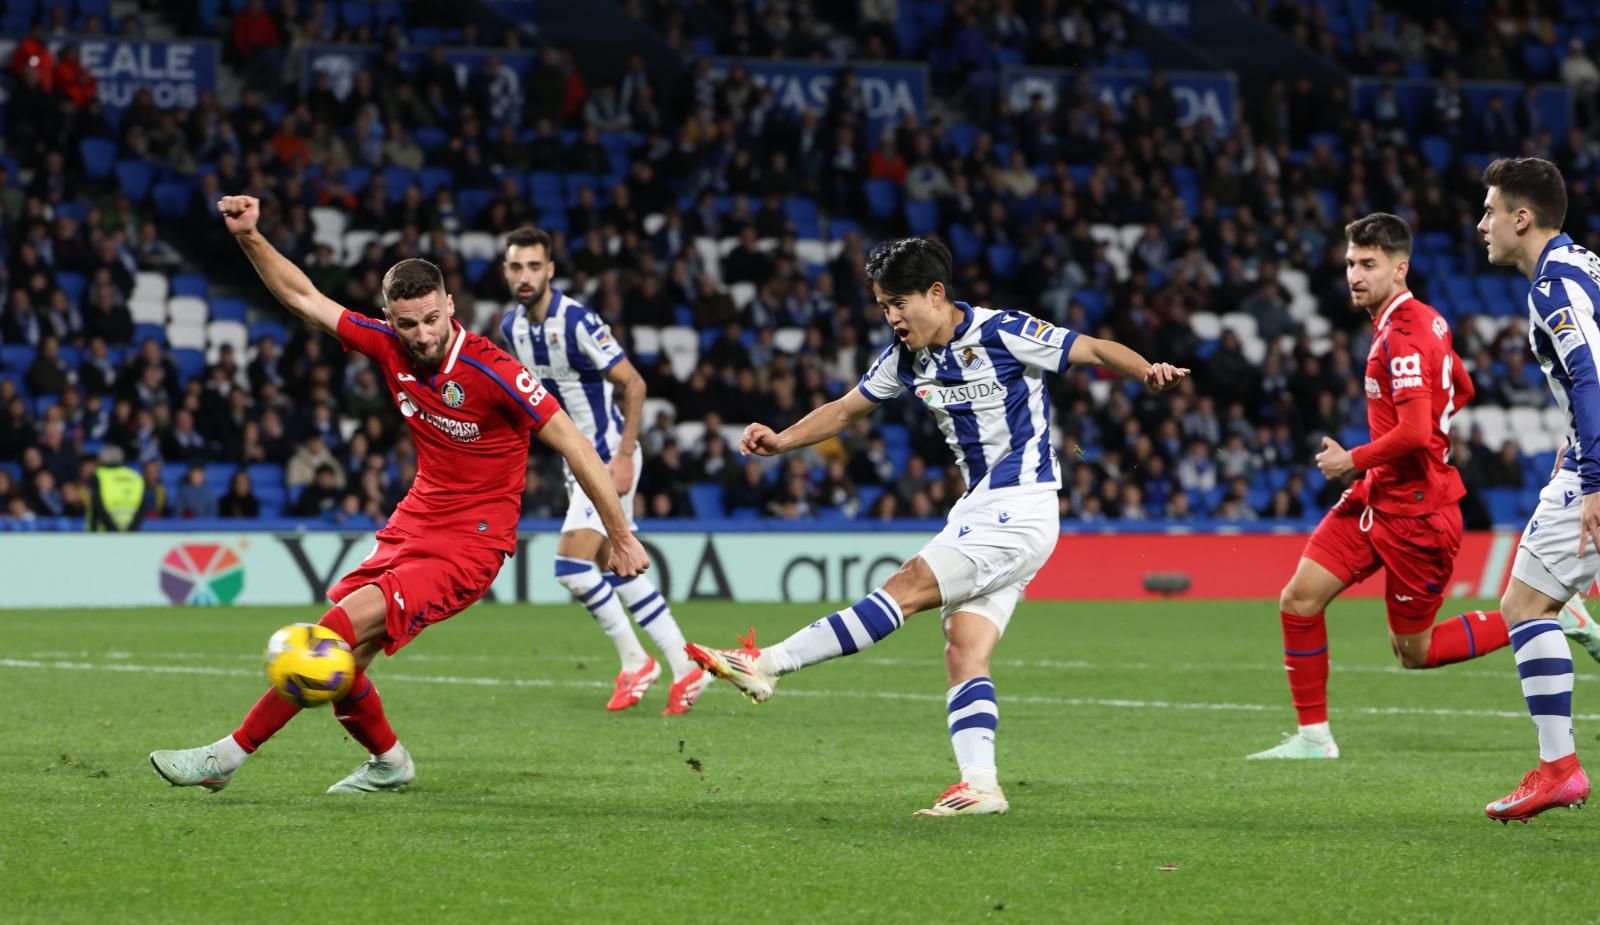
(1108, 354)
(828, 421)
(285, 280)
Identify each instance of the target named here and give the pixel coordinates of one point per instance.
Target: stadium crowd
(1235, 220)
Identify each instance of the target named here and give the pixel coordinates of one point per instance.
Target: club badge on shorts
(453, 394)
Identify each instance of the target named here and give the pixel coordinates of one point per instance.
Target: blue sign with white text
(1200, 96)
(1172, 15)
(175, 72)
(888, 91)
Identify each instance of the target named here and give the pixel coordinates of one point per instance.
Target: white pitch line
(885, 662)
(1112, 703)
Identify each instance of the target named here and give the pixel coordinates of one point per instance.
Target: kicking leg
(866, 622)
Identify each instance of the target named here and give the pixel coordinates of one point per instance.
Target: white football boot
(1299, 746)
(1579, 626)
(391, 771)
(192, 767)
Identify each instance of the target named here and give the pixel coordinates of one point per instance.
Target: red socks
(1305, 657)
(1468, 635)
(361, 712)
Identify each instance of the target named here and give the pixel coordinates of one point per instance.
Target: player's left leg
(972, 712)
(755, 671)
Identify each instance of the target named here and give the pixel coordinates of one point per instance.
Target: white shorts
(581, 513)
(991, 547)
(1547, 559)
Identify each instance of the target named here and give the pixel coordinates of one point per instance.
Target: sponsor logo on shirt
(1406, 372)
(459, 431)
(939, 397)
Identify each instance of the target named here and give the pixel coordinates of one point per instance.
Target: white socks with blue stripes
(651, 612)
(974, 716)
(1544, 662)
(583, 579)
(847, 632)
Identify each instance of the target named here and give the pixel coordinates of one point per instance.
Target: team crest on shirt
(554, 339)
(970, 359)
(453, 394)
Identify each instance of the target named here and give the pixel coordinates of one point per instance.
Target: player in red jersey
(469, 407)
(1403, 515)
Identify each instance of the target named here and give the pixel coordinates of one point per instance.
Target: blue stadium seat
(922, 216)
(839, 227)
(172, 198)
(265, 475)
(229, 308)
(472, 201)
(883, 198)
(77, 210)
(100, 8)
(804, 214)
(354, 14)
(356, 178)
(476, 267)
(869, 495)
(964, 244)
(16, 357)
(99, 156)
(191, 284)
(262, 330)
(71, 356)
(191, 363)
(1539, 59)
(144, 332)
(706, 498)
(1093, 301)
(555, 220)
(385, 11)
(429, 137)
(1003, 261)
(1353, 435)
(135, 177)
(1505, 505)
(1438, 151)
(71, 285)
(431, 178)
(962, 136)
(218, 475)
(395, 181)
(578, 181)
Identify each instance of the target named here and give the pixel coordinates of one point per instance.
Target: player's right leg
(359, 618)
(1547, 570)
(576, 554)
(1305, 655)
(755, 671)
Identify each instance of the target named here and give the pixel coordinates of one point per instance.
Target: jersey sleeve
(1573, 334)
(882, 380)
(366, 335)
(1034, 342)
(520, 395)
(593, 339)
(1415, 365)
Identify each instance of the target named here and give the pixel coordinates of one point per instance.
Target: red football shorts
(420, 586)
(1416, 553)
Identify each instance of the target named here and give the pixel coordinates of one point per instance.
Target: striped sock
(654, 616)
(583, 579)
(974, 716)
(847, 632)
(1545, 664)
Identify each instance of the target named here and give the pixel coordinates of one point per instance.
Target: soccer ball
(309, 664)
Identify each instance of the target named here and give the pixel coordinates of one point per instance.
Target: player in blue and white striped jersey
(573, 353)
(1521, 227)
(980, 371)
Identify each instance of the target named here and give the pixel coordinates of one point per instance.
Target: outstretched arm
(1108, 354)
(828, 421)
(285, 280)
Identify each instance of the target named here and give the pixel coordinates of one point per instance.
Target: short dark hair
(910, 265)
(1385, 231)
(529, 236)
(411, 279)
(1533, 182)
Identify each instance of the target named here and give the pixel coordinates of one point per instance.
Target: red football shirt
(1413, 359)
(470, 420)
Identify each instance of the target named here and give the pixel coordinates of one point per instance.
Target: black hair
(910, 265)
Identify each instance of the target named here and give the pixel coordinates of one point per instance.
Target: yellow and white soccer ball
(309, 664)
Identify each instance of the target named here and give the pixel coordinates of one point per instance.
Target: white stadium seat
(811, 252)
(1240, 323)
(185, 336)
(1206, 325)
(148, 285)
(229, 332)
(654, 222)
(653, 409)
(742, 294)
(479, 244)
(689, 434)
(354, 243)
(188, 310)
(328, 228)
(646, 340)
(148, 310)
(682, 347)
(789, 340)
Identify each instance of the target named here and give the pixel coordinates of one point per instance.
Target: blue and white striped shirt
(571, 351)
(986, 390)
(1566, 342)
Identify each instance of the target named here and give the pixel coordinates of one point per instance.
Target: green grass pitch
(1121, 736)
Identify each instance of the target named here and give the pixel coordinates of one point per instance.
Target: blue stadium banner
(342, 61)
(1172, 15)
(1200, 95)
(1551, 104)
(890, 90)
(176, 72)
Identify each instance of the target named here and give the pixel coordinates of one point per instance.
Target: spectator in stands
(240, 499)
(50, 374)
(312, 456)
(1582, 77)
(72, 79)
(322, 495)
(254, 32)
(194, 498)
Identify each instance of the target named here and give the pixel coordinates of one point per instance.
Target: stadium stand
(722, 236)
